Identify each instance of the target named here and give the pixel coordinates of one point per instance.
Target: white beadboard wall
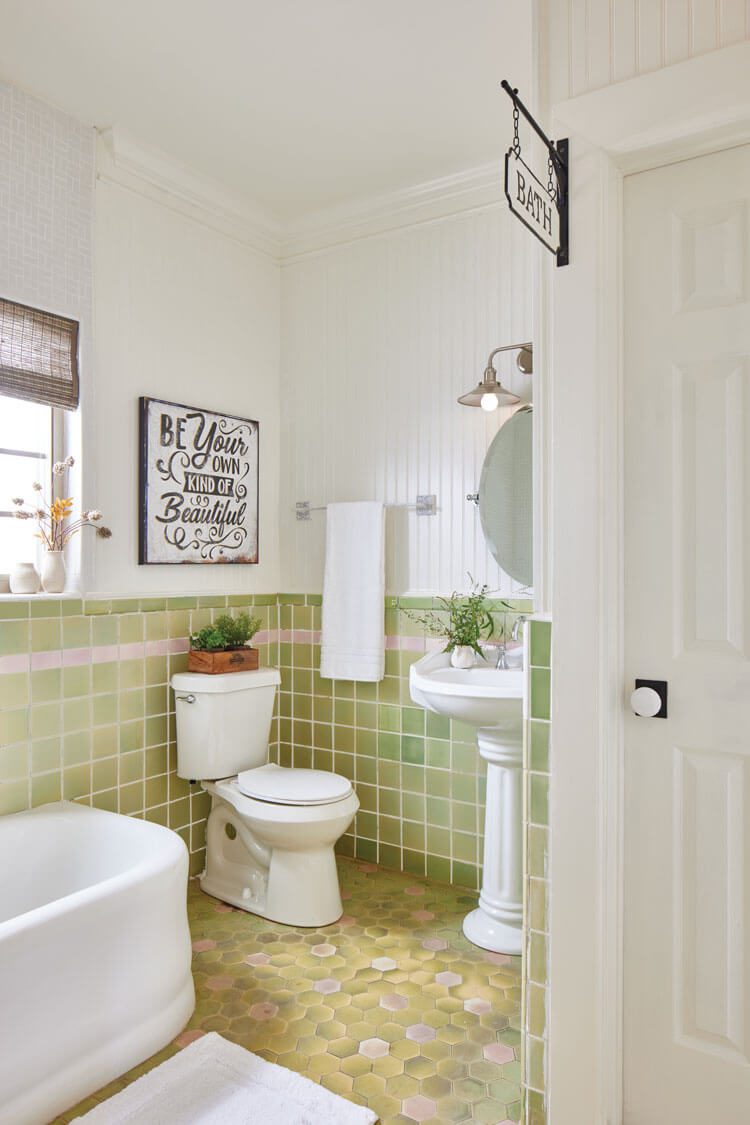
(379, 337)
(593, 43)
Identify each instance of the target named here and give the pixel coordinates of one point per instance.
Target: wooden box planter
(241, 659)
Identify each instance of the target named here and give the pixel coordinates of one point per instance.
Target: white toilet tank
(223, 722)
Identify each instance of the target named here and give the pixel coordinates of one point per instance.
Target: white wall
(379, 337)
(188, 314)
(593, 43)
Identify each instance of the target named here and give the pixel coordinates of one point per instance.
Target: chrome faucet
(517, 624)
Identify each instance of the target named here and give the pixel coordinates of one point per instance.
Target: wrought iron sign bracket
(543, 208)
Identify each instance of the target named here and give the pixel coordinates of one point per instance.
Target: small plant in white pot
(463, 621)
(56, 527)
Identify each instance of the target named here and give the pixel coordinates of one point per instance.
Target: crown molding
(123, 161)
(363, 218)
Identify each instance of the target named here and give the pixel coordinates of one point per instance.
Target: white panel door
(687, 606)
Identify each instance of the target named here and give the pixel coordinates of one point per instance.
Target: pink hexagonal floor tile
(373, 1048)
(327, 986)
(423, 915)
(393, 1002)
(383, 964)
(477, 1006)
(264, 1011)
(368, 868)
(323, 950)
(498, 958)
(413, 890)
(498, 1053)
(188, 1037)
(346, 920)
(203, 946)
(420, 1033)
(448, 979)
(435, 943)
(419, 1108)
(223, 908)
(257, 959)
(218, 984)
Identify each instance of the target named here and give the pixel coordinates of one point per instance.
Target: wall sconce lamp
(489, 394)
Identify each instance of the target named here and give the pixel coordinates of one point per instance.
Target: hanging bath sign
(198, 485)
(540, 204)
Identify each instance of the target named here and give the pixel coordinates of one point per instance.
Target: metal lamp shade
(489, 387)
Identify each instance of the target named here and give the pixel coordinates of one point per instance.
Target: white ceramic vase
(463, 656)
(24, 579)
(53, 572)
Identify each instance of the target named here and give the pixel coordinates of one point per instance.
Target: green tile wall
(84, 718)
(86, 712)
(536, 823)
(419, 778)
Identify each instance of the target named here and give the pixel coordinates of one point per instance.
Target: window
(38, 377)
(26, 455)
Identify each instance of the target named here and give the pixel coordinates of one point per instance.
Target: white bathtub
(94, 953)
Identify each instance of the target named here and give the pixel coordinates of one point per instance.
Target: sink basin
(482, 696)
(490, 699)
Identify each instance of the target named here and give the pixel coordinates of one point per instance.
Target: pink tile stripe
(409, 644)
(299, 636)
(139, 650)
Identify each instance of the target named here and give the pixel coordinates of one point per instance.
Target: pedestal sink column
(497, 922)
(490, 699)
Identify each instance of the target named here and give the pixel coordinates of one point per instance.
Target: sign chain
(516, 141)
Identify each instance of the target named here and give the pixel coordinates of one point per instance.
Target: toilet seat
(283, 785)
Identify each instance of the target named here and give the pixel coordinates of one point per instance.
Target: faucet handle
(498, 651)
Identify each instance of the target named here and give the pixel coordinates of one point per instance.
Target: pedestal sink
(490, 699)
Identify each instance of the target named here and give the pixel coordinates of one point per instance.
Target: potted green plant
(224, 646)
(463, 621)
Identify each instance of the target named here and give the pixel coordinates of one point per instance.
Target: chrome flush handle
(185, 698)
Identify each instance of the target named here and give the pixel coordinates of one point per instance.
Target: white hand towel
(352, 645)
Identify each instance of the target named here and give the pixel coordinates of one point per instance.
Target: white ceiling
(296, 104)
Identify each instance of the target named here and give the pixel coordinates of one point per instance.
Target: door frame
(683, 111)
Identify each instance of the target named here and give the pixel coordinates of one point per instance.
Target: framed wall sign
(198, 485)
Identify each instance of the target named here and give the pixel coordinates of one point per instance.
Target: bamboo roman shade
(38, 355)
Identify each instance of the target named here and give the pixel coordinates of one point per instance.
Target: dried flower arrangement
(54, 530)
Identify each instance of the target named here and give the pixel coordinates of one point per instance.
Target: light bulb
(489, 402)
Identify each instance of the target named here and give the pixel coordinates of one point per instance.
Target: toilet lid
(282, 785)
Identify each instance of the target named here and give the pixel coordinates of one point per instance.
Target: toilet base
(286, 900)
(275, 861)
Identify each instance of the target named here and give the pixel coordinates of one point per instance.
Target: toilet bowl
(271, 831)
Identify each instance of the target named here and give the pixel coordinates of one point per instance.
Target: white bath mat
(215, 1082)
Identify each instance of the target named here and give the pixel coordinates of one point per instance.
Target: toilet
(272, 829)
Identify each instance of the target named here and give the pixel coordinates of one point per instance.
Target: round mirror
(505, 497)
